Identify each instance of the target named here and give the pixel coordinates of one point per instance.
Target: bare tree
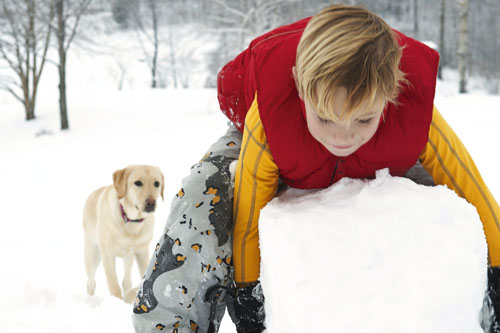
(24, 42)
(164, 28)
(237, 22)
(441, 38)
(249, 18)
(173, 58)
(415, 16)
(68, 14)
(153, 7)
(148, 25)
(463, 36)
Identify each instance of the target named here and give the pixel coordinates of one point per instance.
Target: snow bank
(385, 255)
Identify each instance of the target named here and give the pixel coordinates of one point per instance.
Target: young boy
(337, 95)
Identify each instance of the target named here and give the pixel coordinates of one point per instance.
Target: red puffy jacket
(265, 70)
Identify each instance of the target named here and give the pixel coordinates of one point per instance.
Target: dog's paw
(130, 295)
(116, 293)
(91, 287)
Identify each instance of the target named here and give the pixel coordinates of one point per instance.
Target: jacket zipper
(335, 170)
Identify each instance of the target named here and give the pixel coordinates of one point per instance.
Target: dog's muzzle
(150, 205)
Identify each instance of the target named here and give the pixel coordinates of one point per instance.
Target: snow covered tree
(24, 42)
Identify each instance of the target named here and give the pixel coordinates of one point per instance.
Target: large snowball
(385, 255)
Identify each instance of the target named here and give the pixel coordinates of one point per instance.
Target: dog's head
(140, 185)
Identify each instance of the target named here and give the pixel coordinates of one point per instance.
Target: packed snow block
(385, 255)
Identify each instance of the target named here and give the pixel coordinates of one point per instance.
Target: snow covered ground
(47, 174)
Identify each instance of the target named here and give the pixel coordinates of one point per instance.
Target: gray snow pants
(184, 286)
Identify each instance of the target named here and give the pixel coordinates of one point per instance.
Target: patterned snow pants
(184, 286)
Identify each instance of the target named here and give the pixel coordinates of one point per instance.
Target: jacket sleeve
(236, 85)
(256, 183)
(447, 160)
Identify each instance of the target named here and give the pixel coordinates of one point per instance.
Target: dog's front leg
(108, 261)
(128, 260)
(129, 293)
(142, 257)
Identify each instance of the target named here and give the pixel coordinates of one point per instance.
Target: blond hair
(350, 47)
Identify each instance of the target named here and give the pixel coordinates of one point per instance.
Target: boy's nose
(341, 133)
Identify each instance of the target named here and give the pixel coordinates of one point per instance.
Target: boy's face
(345, 137)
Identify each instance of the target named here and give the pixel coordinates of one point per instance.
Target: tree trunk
(63, 108)
(30, 110)
(463, 44)
(61, 37)
(172, 57)
(415, 16)
(29, 70)
(28, 105)
(154, 64)
(441, 39)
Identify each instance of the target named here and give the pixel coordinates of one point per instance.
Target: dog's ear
(120, 178)
(162, 186)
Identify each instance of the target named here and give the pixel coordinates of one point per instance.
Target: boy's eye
(324, 121)
(364, 121)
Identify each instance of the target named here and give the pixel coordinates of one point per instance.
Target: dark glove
(246, 308)
(494, 299)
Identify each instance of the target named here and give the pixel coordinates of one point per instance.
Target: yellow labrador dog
(118, 221)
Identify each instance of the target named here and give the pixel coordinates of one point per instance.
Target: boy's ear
(294, 72)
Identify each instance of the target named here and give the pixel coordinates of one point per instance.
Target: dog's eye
(157, 184)
(138, 183)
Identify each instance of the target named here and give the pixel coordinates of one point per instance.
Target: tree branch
(229, 9)
(78, 14)
(11, 91)
(47, 42)
(9, 61)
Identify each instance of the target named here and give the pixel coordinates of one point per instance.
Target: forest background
(185, 42)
